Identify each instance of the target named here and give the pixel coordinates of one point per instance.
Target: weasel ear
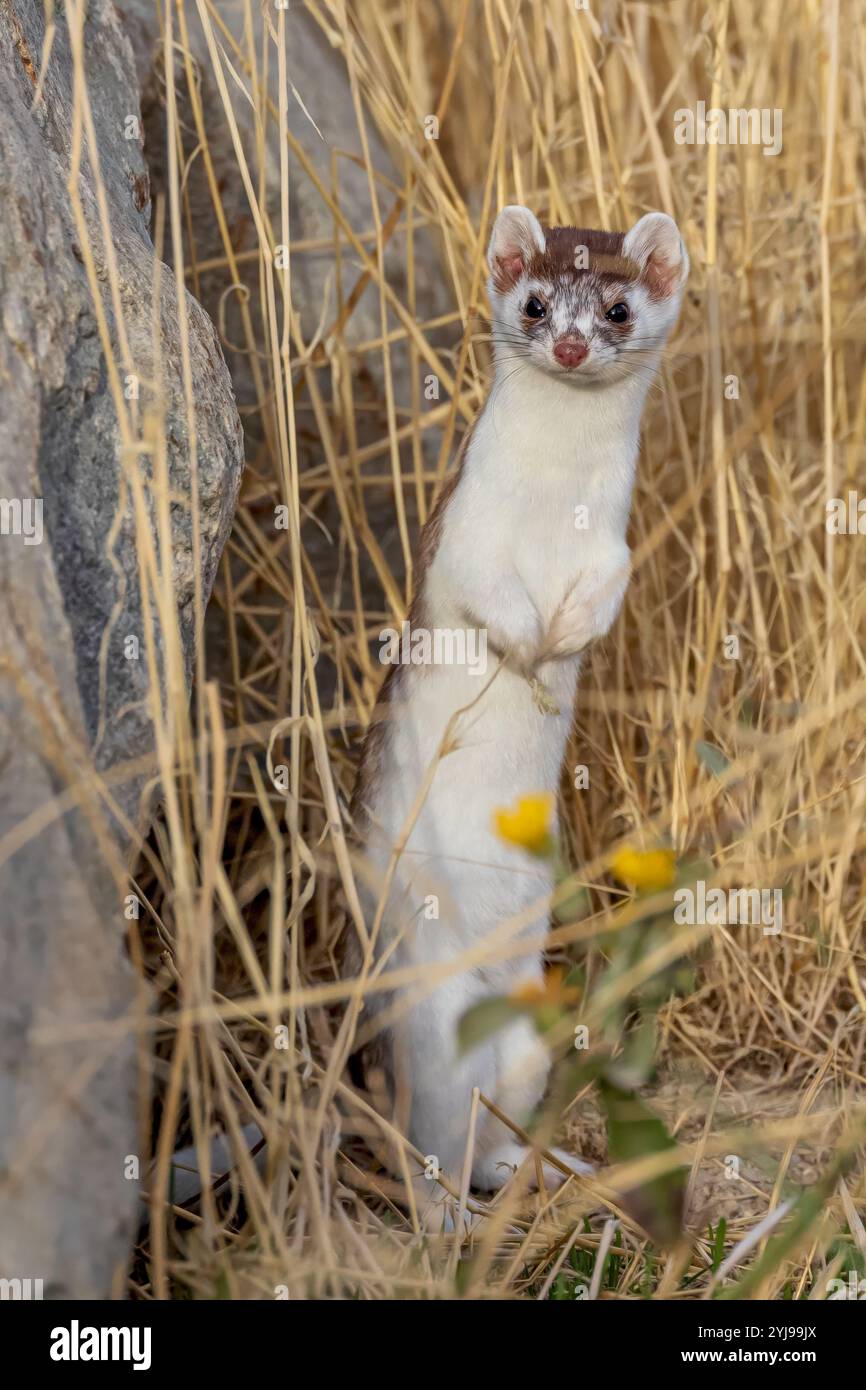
(517, 237)
(656, 245)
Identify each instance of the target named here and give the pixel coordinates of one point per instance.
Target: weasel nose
(570, 352)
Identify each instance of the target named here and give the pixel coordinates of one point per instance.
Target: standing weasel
(526, 548)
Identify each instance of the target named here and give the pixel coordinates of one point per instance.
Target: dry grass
(244, 882)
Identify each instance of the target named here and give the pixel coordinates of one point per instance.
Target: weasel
(526, 547)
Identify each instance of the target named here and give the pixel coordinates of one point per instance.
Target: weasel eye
(534, 309)
(617, 313)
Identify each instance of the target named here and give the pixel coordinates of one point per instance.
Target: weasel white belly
(505, 748)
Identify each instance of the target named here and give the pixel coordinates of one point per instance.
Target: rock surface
(321, 119)
(69, 603)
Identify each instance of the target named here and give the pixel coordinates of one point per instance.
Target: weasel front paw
(493, 1171)
(511, 622)
(587, 612)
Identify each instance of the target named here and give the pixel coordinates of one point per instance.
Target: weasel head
(589, 307)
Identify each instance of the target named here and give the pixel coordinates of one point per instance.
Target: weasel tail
(527, 547)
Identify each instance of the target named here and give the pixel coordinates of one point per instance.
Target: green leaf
(712, 757)
(576, 977)
(684, 981)
(690, 870)
(463, 1274)
(573, 906)
(646, 1283)
(718, 1240)
(637, 1062)
(484, 1019)
(634, 1131)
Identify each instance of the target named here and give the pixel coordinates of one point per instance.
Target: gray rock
(68, 1071)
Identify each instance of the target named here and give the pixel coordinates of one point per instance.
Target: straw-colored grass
(245, 880)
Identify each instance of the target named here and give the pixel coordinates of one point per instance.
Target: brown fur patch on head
(604, 257)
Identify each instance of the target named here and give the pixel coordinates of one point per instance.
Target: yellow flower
(527, 824)
(547, 1000)
(551, 990)
(648, 870)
